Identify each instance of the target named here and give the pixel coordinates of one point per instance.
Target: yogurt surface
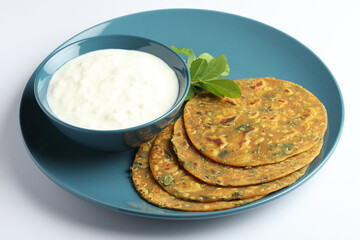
(112, 89)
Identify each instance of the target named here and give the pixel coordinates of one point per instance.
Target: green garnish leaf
(187, 52)
(197, 68)
(227, 71)
(190, 94)
(208, 58)
(215, 67)
(222, 87)
(206, 73)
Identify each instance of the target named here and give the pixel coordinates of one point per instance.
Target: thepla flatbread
(152, 192)
(272, 121)
(215, 173)
(167, 170)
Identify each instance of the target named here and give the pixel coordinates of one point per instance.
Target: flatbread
(152, 192)
(167, 170)
(271, 121)
(215, 173)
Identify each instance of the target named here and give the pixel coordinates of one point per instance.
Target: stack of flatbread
(227, 152)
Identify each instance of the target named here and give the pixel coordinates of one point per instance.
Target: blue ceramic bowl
(111, 140)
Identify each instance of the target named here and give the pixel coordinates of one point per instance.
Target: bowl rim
(53, 117)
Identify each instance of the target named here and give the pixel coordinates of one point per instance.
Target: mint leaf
(197, 69)
(187, 52)
(222, 87)
(215, 67)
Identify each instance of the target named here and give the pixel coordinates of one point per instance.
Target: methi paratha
(271, 121)
(175, 180)
(152, 192)
(215, 173)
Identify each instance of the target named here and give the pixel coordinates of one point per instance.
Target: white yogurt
(112, 89)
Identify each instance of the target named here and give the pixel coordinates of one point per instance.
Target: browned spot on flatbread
(217, 141)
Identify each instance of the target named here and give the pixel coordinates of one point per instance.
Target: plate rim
(189, 215)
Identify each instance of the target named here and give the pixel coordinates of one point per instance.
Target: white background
(32, 207)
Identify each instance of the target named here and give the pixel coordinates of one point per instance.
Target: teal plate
(253, 49)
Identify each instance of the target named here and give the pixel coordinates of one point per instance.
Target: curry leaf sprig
(206, 72)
